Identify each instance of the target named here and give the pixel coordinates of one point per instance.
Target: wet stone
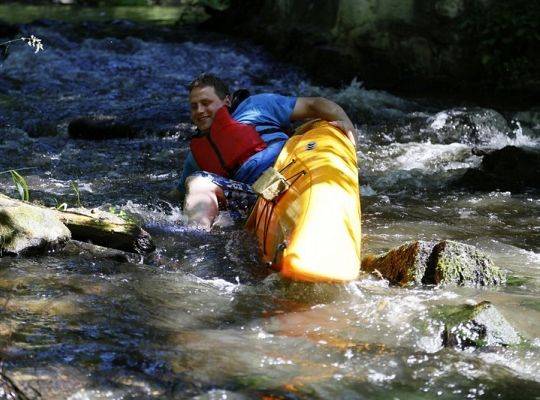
(461, 264)
(530, 118)
(468, 125)
(25, 228)
(476, 326)
(428, 262)
(511, 168)
(402, 265)
(89, 250)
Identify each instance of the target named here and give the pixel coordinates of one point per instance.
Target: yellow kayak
(311, 232)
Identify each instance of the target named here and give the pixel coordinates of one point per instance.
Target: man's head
(207, 94)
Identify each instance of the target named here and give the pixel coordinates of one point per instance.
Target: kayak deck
(312, 231)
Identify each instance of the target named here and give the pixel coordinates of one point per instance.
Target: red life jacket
(226, 146)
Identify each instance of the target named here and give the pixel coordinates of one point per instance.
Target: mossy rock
(25, 228)
(402, 265)
(428, 262)
(476, 326)
(462, 264)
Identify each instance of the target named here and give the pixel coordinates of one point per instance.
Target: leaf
(75, 186)
(20, 184)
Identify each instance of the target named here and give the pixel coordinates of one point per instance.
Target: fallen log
(99, 227)
(106, 229)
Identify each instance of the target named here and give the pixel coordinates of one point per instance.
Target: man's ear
(227, 100)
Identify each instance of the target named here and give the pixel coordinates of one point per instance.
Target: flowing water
(202, 317)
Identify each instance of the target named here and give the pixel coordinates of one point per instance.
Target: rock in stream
(476, 326)
(442, 263)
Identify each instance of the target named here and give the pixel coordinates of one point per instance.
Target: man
(269, 114)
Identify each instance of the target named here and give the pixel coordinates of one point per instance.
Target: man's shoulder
(267, 100)
(267, 96)
(265, 109)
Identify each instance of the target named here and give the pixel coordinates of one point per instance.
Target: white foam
(520, 139)
(367, 190)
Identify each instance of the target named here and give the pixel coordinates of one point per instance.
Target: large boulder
(511, 168)
(428, 262)
(475, 326)
(25, 228)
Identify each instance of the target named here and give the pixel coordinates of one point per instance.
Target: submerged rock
(476, 326)
(99, 128)
(89, 250)
(26, 228)
(530, 118)
(429, 262)
(463, 125)
(510, 168)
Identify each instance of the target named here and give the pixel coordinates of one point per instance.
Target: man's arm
(319, 107)
(190, 167)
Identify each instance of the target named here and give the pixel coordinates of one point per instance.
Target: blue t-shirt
(268, 112)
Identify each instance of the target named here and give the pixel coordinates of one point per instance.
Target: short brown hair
(205, 79)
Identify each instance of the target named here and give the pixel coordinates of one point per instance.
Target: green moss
(476, 325)
(517, 280)
(254, 381)
(453, 315)
(458, 263)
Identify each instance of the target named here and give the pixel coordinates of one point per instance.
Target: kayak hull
(312, 231)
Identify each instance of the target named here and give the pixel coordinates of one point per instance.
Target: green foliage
(508, 36)
(62, 206)
(127, 3)
(75, 186)
(122, 214)
(20, 184)
(215, 4)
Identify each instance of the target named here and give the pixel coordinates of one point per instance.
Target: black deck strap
(268, 208)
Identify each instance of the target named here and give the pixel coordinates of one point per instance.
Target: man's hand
(319, 107)
(348, 129)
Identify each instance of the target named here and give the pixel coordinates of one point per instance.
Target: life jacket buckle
(270, 184)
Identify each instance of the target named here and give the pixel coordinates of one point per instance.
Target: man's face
(204, 102)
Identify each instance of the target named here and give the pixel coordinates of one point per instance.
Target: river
(202, 317)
